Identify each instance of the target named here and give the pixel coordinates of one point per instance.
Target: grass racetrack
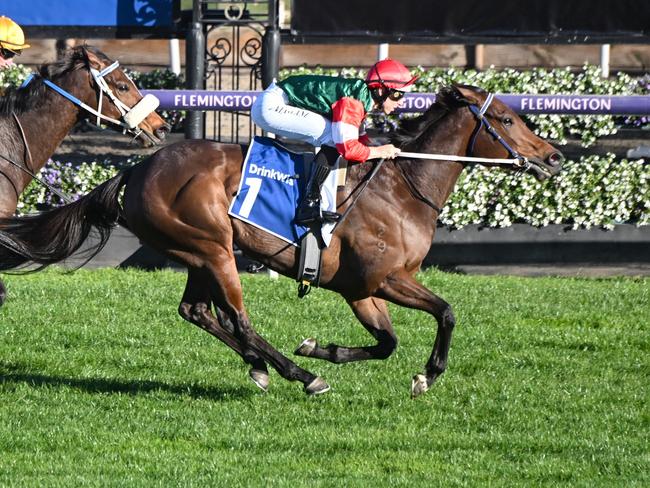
(103, 384)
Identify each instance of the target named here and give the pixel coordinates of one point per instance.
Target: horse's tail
(52, 236)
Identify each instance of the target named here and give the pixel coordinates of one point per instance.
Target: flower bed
(74, 181)
(592, 191)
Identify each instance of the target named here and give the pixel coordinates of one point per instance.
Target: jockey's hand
(387, 151)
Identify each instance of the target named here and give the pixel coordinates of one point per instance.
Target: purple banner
(578, 104)
(225, 101)
(241, 101)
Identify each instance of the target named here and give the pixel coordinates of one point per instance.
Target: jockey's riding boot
(309, 210)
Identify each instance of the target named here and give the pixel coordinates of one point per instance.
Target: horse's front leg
(402, 289)
(8, 204)
(373, 315)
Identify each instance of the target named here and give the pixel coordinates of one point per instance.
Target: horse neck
(436, 179)
(44, 128)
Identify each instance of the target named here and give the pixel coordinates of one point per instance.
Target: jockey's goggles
(8, 53)
(395, 95)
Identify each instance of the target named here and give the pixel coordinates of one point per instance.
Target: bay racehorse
(35, 118)
(177, 202)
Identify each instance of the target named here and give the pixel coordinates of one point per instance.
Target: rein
(62, 196)
(28, 153)
(469, 159)
(357, 192)
(27, 169)
(417, 194)
(516, 161)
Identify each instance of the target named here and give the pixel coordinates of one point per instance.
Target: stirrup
(330, 217)
(308, 211)
(322, 216)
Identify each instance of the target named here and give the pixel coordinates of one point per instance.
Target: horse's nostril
(555, 159)
(162, 132)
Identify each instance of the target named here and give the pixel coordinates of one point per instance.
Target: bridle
(517, 160)
(482, 121)
(130, 117)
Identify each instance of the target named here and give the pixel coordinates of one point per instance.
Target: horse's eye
(123, 87)
(507, 121)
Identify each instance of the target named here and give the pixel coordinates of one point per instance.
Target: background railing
(241, 101)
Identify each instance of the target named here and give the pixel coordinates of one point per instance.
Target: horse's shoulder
(359, 173)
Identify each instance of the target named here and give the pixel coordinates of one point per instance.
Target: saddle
(270, 189)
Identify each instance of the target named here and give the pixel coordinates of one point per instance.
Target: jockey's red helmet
(389, 73)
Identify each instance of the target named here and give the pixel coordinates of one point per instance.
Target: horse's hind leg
(226, 293)
(258, 372)
(402, 289)
(195, 308)
(373, 314)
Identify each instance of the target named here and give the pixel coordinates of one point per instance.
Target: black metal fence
(230, 46)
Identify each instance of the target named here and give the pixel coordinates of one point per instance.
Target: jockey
(12, 41)
(329, 112)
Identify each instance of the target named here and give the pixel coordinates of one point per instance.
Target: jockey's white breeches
(272, 112)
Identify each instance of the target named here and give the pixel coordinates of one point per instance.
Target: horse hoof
(317, 387)
(260, 378)
(419, 385)
(306, 347)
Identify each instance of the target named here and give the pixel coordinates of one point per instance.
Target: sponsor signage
(95, 18)
(578, 104)
(76, 13)
(241, 101)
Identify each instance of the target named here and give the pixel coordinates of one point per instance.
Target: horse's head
(110, 92)
(500, 133)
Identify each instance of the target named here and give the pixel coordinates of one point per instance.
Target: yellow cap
(11, 35)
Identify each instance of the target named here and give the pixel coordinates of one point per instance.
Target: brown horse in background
(177, 202)
(34, 119)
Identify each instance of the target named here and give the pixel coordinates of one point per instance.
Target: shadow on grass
(13, 373)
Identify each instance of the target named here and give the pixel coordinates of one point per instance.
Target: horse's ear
(467, 94)
(92, 59)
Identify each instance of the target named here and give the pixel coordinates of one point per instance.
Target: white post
(174, 56)
(479, 56)
(604, 60)
(382, 52)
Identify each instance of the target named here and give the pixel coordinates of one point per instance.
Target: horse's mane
(20, 100)
(409, 130)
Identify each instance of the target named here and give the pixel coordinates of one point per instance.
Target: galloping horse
(35, 118)
(177, 202)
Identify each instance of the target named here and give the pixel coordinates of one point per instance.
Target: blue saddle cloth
(270, 189)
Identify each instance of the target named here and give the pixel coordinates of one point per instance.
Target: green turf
(102, 384)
